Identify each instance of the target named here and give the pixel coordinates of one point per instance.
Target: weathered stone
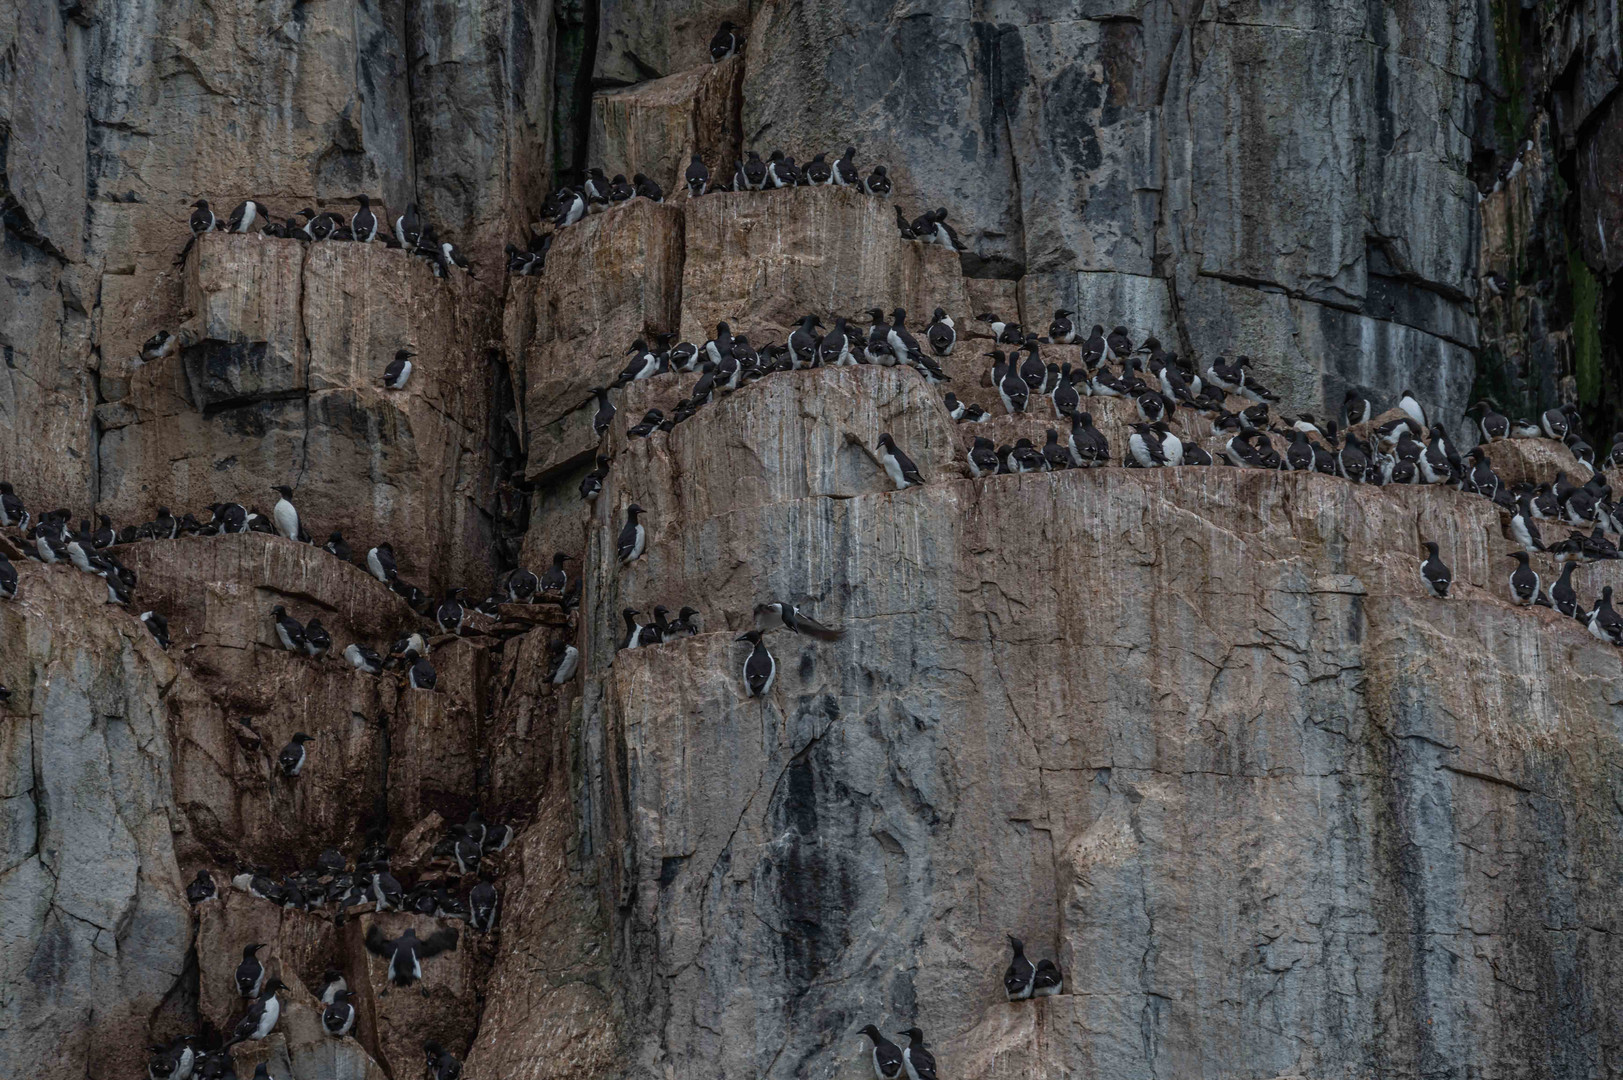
(762, 260)
(635, 44)
(93, 924)
(610, 279)
(656, 127)
(290, 347)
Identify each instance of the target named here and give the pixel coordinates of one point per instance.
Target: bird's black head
(1431, 547)
(283, 490)
(915, 1034)
(1519, 556)
(201, 204)
(638, 346)
(872, 1033)
(403, 354)
(272, 985)
(899, 314)
(301, 738)
(1016, 944)
(886, 441)
(752, 636)
(364, 200)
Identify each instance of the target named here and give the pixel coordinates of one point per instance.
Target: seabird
(398, 372)
(897, 465)
(203, 219)
(591, 485)
(1435, 577)
(12, 513)
(1557, 423)
(284, 515)
(442, 1065)
(288, 630)
(201, 889)
(759, 667)
(292, 756)
(845, 169)
(363, 659)
(317, 642)
(725, 43)
(1605, 623)
(1524, 580)
(877, 183)
(483, 901)
(633, 537)
(646, 188)
(338, 1018)
(449, 614)
(637, 634)
(697, 177)
(687, 621)
(900, 341)
(1563, 595)
(1017, 979)
(156, 623)
(407, 952)
(565, 659)
(887, 1056)
(261, 1017)
(1494, 426)
(835, 348)
(1047, 980)
(983, 459)
(753, 171)
(408, 228)
(803, 343)
(250, 973)
(1410, 406)
(1011, 388)
(919, 1062)
(421, 673)
(777, 614)
(380, 562)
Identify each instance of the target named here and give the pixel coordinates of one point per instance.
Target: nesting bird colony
(1100, 400)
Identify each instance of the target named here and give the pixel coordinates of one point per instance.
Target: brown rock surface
(283, 386)
(656, 127)
(762, 260)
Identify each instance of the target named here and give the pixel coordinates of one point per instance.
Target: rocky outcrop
(93, 921)
(1196, 734)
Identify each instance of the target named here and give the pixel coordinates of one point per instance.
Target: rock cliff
(1196, 734)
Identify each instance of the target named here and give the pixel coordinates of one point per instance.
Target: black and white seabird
(407, 952)
(565, 659)
(983, 459)
(1018, 978)
(156, 623)
(408, 227)
(483, 902)
(338, 1018)
(260, 1020)
(292, 757)
(637, 634)
(759, 667)
(250, 975)
(449, 613)
(442, 1064)
(203, 219)
(887, 1056)
(897, 465)
(1524, 580)
(845, 169)
(834, 350)
(202, 888)
(633, 537)
(363, 223)
(283, 514)
(288, 630)
(1410, 406)
(877, 183)
(1047, 980)
(1011, 387)
(8, 579)
(363, 659)
(803, 343)
(605, 411)
(1604, 623)
(396, 375)
(919, 1062)
(697, 177)
(1563, 595)
(779, 615)
(1435, 577)
(1061, 330)
(243, 217)
(380, 563)
(317, 642)
(12, 514)
(725, 43)
(644, 364)
(421, 674)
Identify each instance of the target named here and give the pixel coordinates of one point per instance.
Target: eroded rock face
(281, 383)
(92, 916)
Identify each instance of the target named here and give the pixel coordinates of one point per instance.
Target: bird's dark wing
(376, 943)
(436, 943)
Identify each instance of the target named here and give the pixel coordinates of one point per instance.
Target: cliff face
(1196, 734)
